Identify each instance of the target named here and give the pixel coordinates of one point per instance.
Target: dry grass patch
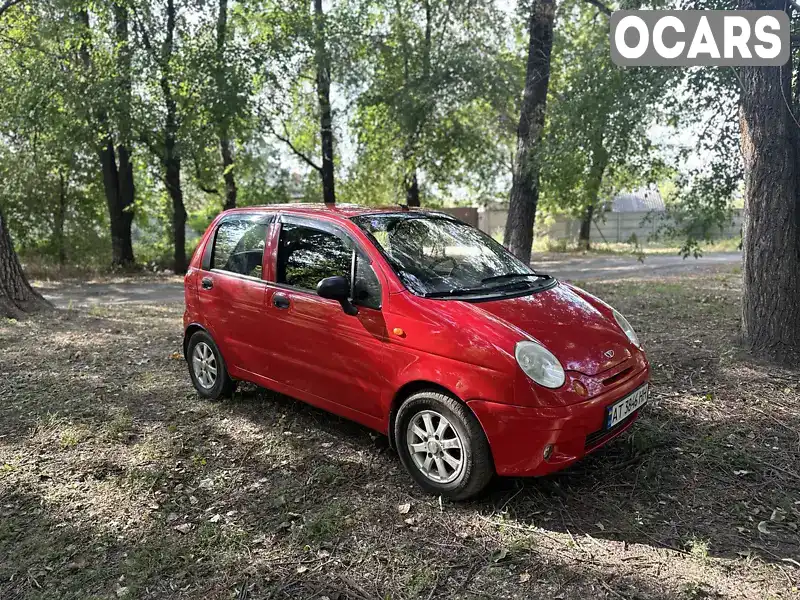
(116, 481)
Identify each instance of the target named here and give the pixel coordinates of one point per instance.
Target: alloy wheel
(204, 364)
(435, 446)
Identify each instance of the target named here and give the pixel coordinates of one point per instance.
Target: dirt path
(600, 268)
(608, 268)
(73, 294)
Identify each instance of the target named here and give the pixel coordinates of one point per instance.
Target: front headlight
(626, 327)
(539, 364)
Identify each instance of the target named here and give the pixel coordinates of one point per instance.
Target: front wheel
(442, 445)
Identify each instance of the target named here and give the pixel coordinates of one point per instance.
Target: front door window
(307, 255)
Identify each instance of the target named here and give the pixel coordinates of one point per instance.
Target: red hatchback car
(419, 326)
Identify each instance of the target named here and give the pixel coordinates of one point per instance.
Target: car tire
(430, 425)
(207, 368)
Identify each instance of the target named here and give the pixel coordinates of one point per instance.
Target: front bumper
(518, 435)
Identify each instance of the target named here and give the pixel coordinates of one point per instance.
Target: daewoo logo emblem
(609, 353)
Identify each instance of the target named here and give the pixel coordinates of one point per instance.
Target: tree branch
(301, 155)
(603, 8)
(8, 4)
(199, 181)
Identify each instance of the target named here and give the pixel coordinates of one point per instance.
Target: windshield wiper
(512, 275)
(456, 292)
(509, 287)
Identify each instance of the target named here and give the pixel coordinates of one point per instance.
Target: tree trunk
(121, 246)
(171, 158)
(117, 181)
(584, 242)
(17, 297)
(127, 191)
(225, 146)
(593, 183)
(225, 143)
(324, 98)
(412, 189)
(173, 182)
(411, 182)
(525, 189)
(60, 217)
(770, 315)
(127, 194)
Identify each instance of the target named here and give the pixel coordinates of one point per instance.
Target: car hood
(565, 322)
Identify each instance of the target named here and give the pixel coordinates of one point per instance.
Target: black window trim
(208, 253)
(336, 230)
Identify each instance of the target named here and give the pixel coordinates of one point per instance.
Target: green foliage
(421, 88)
(438, 73)
(596, 141)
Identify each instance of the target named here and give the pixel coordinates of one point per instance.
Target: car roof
(341, 211)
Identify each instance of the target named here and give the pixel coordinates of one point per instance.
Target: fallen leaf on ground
(778, 515)
(499, 555)
(184, 527)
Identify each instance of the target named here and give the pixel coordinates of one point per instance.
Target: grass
(116, 481)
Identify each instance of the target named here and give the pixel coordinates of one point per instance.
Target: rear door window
(239, 246)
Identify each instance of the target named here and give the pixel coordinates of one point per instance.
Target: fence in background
(611, 227)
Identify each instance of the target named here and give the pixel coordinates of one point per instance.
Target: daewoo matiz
(419, 326)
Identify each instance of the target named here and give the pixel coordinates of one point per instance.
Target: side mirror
(337, 288)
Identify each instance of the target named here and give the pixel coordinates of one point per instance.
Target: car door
(322, 351)
(232, 289)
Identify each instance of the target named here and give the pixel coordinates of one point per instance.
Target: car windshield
(438, 256)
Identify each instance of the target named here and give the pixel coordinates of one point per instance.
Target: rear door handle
(207, 283)
(280, 301)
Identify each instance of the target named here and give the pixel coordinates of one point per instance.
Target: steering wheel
(444, 259)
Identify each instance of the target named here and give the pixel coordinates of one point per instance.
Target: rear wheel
(442, 445)
(207, 369)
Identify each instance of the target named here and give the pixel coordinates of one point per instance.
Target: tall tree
(164, 142)
(436, 74)
(17, 297)
(597, 119)
(300, 114)
(113, 147)
(323, 81)
(525, 180)
(771, 273)
(226, 144)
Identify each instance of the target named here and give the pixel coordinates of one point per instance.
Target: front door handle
(207, 283)
(280, 301)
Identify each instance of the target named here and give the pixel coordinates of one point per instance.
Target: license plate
(622, 409)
